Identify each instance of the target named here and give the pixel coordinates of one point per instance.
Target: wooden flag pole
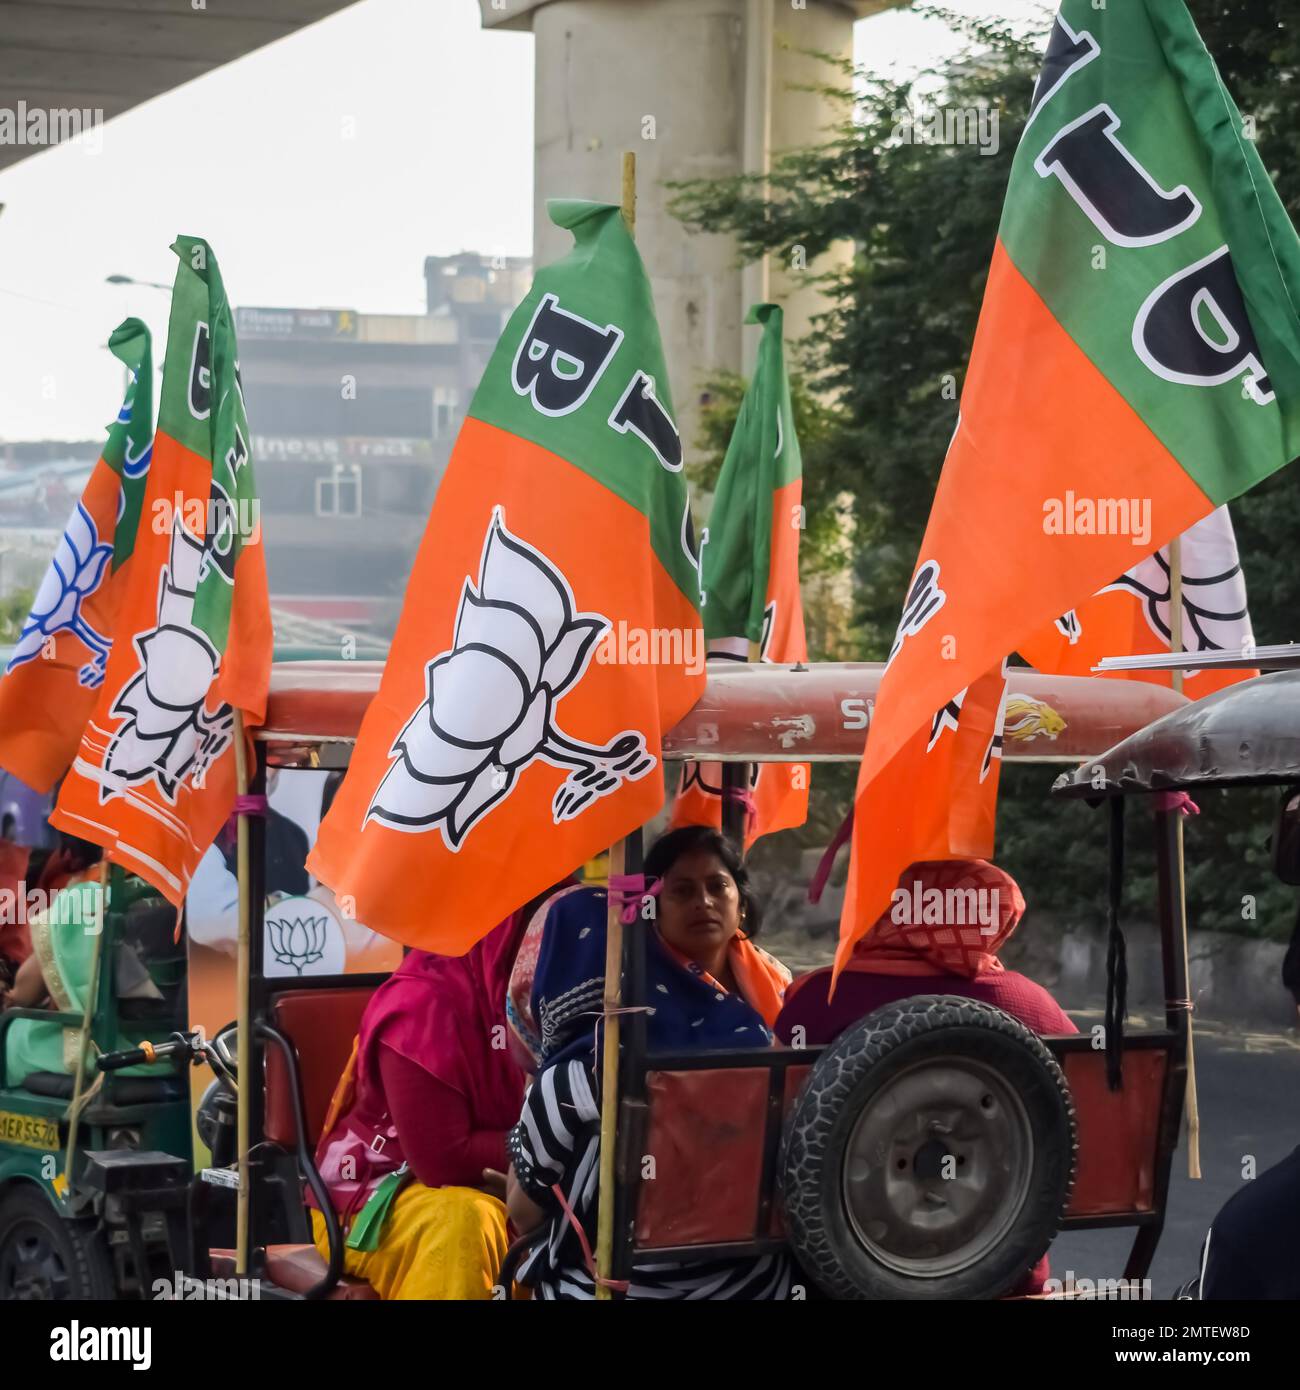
(1176, 645)
(244, 1025)
(628, 199)
(613, 965)
(609, 1074)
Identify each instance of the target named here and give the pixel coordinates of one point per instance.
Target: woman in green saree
(59, 970)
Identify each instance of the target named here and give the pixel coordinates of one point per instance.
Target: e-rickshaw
(753, 1151)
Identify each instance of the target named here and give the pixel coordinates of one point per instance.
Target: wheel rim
(937, 1167)
(32, 1269)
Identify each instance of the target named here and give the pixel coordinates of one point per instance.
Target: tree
(14, 608)
(891, 351)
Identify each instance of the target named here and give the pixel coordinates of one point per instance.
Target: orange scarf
(761, 979)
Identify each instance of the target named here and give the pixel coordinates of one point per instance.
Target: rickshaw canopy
(1246, 735)
(820, 712)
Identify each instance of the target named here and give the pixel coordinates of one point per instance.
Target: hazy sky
(322, 169)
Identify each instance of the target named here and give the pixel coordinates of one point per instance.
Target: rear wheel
(45, 1256)
(930, 1155)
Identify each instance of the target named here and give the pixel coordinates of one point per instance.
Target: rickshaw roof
(1247, 735)
(819, 712)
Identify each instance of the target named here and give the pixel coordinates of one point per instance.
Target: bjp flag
(1131, 616)
(59, 660)
(154, 775)
(550, 632)
(749, 571)
(1135, 366)
(955, 804)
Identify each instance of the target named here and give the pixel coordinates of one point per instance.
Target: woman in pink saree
(414, 1145)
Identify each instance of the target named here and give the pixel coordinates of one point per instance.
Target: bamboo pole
(628, 199)
(1176, 645)
(613, 963)
(87, 1018)
(244, 1025)
(609, 1075)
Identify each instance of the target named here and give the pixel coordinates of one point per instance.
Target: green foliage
(890, 352)
(14, 608)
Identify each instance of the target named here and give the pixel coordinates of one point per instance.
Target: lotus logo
(924, 599)
(76, 571)
(168, 733)
(298, 942)
(489, 712)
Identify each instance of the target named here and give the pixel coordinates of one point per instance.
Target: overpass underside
(111, 55)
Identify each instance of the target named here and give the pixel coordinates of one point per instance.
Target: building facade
(353, 418)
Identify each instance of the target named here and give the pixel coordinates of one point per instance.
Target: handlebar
(193, 1046)
(114, 1061)
(139, 1056)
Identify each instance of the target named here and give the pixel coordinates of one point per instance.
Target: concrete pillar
(698, 89)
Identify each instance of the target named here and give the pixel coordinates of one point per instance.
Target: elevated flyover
(111, 55)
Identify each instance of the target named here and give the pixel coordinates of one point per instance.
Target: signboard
(296, 323)
(340, 449)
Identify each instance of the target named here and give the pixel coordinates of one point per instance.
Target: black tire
(893, 1084)
(46, 1256)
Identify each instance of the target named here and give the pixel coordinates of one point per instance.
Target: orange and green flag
(1131, 616)
(59, 659)
(955, 799)
(1135, 366)
(550, 632)
(153, 779)
(749, 571)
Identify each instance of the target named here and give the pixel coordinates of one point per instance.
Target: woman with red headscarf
(940, 935)
(414, 1146)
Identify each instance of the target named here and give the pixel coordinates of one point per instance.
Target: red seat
(322, 1026)
(297, 1268)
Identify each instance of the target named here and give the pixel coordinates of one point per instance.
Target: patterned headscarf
(948, 915)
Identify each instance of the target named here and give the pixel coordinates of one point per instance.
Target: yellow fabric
(438, 1243)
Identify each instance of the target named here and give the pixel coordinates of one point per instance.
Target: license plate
(31, 1131)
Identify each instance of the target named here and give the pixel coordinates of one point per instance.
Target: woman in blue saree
(710, 987)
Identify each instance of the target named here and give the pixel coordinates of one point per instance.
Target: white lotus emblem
(489, 712)
(169, 734)
(75, 572)
(298, 942)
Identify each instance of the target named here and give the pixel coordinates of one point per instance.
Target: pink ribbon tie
(629, 891)
(1177, 801)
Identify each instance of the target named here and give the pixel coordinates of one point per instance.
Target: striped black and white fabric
(557, 1141)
